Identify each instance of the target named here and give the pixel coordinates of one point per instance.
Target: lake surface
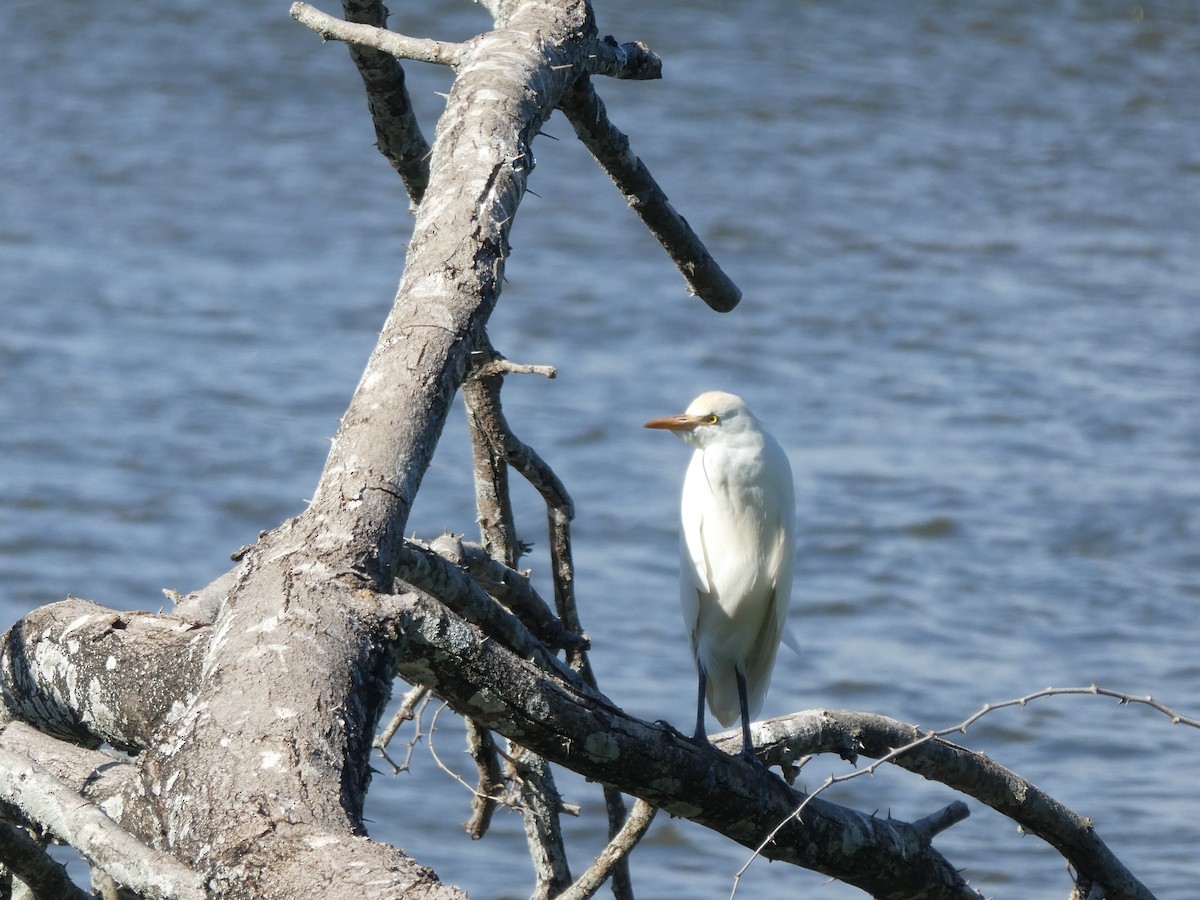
(967, 236)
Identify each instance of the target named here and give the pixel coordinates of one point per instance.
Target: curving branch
(849, 733)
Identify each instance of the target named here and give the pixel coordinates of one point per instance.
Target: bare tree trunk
(243, 722)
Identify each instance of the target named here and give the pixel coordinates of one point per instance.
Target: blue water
(967, 239)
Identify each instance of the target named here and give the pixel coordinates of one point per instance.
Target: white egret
(738, 512)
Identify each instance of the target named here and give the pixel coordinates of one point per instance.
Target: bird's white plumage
(737, 518)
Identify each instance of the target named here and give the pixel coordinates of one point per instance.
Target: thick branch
(85, 673)
(511, 588)
(425, 569)
(483, 680)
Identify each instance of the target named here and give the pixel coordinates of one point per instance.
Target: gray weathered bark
(242, 723)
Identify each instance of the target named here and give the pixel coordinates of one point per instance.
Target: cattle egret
(735, 554)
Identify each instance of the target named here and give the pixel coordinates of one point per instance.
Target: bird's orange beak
(681, 422)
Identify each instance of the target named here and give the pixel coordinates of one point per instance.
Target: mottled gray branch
(741, 800)
(848, 733)
(91, 675)
(58, 809)
(423, 568)
(511, 588)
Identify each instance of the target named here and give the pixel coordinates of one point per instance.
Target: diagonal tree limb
(397, 131)
(619, 847)
(739, 799)
(585, 111)
(27, 860)
(511, 588)
(55, 807)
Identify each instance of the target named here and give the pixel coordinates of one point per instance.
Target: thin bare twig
(482, 748)
(404, 714)
(618, 849)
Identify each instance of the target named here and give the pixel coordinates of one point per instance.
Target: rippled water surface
(967, 239)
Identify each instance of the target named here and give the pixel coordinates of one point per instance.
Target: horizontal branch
(88, 674)
(632, 61)
(60, 810)
(331, 28)
(425, 569)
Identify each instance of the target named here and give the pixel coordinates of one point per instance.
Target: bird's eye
(711, 419)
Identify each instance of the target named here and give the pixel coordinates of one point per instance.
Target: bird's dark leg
(701, 736)
(747, 746)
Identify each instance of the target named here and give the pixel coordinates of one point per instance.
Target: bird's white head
(712, 416)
